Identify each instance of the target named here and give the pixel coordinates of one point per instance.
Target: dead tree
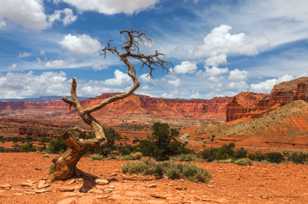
(65, 165)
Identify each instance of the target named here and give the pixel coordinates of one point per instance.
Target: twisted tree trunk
(65, 165)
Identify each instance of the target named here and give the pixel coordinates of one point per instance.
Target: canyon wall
(250, 105)
(135, 109)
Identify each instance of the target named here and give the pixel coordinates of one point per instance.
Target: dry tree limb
(65, 164)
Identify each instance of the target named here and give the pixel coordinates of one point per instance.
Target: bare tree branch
(65, 165)
(134, 38)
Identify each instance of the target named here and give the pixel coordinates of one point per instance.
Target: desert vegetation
(76, 139)
(163, 143)
(168, 169)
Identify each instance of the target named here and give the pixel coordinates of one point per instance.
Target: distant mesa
(251, 105)
(49, 114)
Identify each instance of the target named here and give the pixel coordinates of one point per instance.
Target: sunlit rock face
(254, 105)
(45, 117)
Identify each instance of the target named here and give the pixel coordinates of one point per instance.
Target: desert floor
(259, 183)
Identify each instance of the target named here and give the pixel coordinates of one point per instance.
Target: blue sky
(216, 47)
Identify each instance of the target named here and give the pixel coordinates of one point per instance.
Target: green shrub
(133, 156)
(27, 147)
(98, 157)
(56, 145)
(168, 169)
(28, 139)
(257, 156)
(209, 154)
(173, 173)
(44, 139)
(136, 155)
(163, 143)
(186, 157)
(2, 149)
(219, 153)
(225, 161)
(274, 157)
(240, 153)
(135, 168)
(52, 168)
(126, 149)
(127, 157)
(112, 136)
(298, 157)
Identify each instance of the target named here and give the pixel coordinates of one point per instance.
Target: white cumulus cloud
(120, 78)
(175, 82)
(220, 41)
(80, 44)
(216, 60)
(26, 85)
(20, 85)
(66, 16)
(267, 85)
(214, 72)
(29, 14)
(238, 75)
(111, 7)
(55, 63)
(24, 54)
(185, 67)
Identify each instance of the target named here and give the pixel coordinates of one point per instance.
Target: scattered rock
(42, 184)
(18, 194)
(158, 196)
(108, 190)
(101, 181)
(28, 183)
(25, 184)
(114, 174)
(37, 169)
(264, 197)
(152, 185)
(94, 190)
(29, 192)
(210, 186)
(102, 196)
(180, 188)
(66, 189)
(41, 190)
(6, 186)
(112, 178)
(71, 181)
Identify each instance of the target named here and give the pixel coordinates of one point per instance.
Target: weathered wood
(65, 165)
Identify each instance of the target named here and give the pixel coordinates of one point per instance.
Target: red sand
(259, 183)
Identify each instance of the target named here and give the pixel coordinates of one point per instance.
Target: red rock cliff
(254, 105)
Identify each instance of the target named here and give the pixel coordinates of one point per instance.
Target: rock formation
(252, 105)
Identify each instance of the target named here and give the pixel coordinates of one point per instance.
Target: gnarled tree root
(64, 167)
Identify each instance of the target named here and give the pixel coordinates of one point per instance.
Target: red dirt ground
(259, 183)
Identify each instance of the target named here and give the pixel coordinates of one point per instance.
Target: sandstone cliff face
(26, 116)
(135, 109)
(166, 108)
(247, 105)
(243, 105)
